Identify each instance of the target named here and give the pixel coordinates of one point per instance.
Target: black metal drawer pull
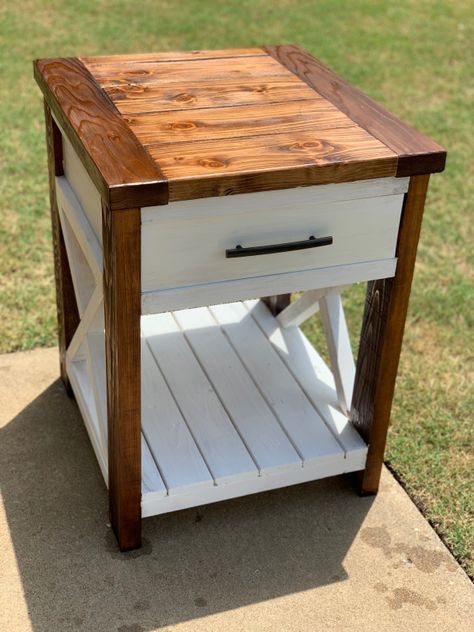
(312, 242)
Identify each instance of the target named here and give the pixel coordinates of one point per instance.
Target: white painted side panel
(88, 320)
(82, 277)
(70, 205)
(96, 348)
(83, 187)
(77, 373)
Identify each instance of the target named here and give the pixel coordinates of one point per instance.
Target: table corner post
(381, 340)
(122, 309)
(67, 311)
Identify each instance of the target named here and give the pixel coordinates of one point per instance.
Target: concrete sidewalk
(310, 558)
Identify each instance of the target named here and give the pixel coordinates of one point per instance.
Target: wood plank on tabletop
(271, 161)
(170, 56)
(417, 153)
(131, 99)
(237, 122)
(139, 73)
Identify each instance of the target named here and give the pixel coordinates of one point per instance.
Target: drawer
(185, 243)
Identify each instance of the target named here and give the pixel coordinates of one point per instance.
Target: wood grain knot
(125, 89)
(137, 72)
(117, 83)
(181, 126)
(211, 163)
(310, 144)
(184, 97)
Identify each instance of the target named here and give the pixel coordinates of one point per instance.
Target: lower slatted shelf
(232, 404)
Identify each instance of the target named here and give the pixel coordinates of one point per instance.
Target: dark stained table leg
(381, 339)
(122, 308)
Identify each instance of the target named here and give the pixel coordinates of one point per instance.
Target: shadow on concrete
(194, 562)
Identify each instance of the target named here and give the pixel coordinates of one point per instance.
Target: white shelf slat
(219, 443)
(180, 462)
(296, 413)
(253, 418)
(315, 378)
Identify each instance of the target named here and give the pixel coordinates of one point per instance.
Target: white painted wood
(98, 377)
(251, 415)
(83, 187)
(205, 360)
(362, 230)
(221, 447)
(339, 348)
(70, 206)
(297, 415)
(152, 505)
(282, 199)
(152, 483)
(304, 307)
(77, 373)
(82, 277)
(96, 324)
(82, 387)
(89, 317)
(241, 289)
(314, 377)
(180, 462)
(151, 479)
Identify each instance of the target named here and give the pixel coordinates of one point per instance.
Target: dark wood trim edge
(122, 310)
(120, 167)
(417, 154)
(381, 339)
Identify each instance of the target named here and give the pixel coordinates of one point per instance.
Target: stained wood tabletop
(153, 128)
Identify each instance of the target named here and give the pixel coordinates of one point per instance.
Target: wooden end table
(184, 186)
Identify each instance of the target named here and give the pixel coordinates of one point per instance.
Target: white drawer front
(184, 243)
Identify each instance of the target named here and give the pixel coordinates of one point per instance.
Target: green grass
(416, 58)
